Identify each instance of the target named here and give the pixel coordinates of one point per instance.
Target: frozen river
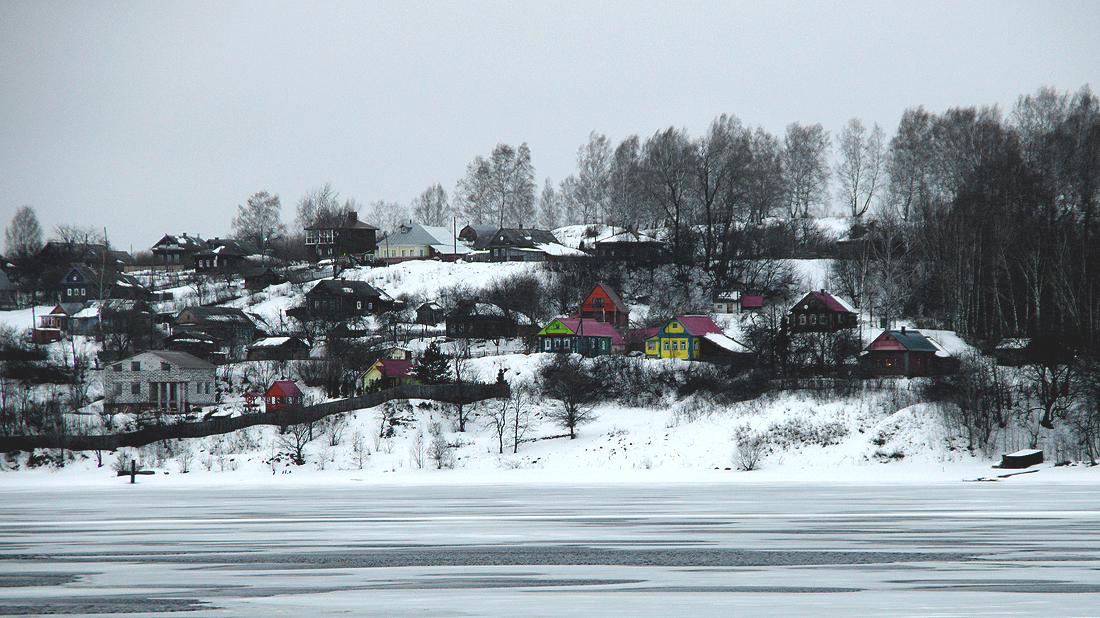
(968, 549)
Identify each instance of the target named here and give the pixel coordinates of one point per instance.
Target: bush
(749, 448)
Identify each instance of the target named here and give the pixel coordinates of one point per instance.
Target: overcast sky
(154, 117)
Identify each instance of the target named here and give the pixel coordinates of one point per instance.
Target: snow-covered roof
(726, 343)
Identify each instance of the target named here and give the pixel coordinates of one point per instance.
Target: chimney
(353, 216)
(903, 330)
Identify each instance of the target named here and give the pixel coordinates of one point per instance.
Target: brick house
(159, 380)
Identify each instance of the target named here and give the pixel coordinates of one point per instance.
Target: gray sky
(152, 117)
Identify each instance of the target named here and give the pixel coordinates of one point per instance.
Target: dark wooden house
(225, 255)
(821, 312)
(430, 313)
(524, 245)
(343, 237)
(629, 246)
(83, 283)
(475, 320)
(231, 327)
(258, 278)
(604, 305)
(177, 252)
(342, 299)
(902, 352)
(281, 347)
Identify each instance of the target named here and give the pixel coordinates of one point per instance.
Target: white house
(160, 380)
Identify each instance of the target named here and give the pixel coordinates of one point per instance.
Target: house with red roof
(681, 337)
(821, 312)
(903, 353)
(282, 395)
(604, 305)
(580, 336)
(388, 373)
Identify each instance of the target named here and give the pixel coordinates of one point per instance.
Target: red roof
(396, 368)
(284, 388)
(831, 302)
(752, 300)
(592, 328)
(698, 325)
(641, 334)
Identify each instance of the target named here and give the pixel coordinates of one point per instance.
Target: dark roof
(350, 221)
(219, 315)
(181, 359)
(524, 237)
(183, 241)
(229, 246)
(108, 277)
(829, 300)
(341, 287)
(912, 340)
(478, 232)
(89, 253)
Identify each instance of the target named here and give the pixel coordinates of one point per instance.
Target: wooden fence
(450, 393)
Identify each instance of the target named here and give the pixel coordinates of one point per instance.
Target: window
(165, 367)
(597, 303)
(666, 345)
(359, 304)
(117, 390)
(135, 388)
(823, 319)
(802, 319)
(116, 368)
(68, 291)
(402, 253)
(421, 252)
(135, 365)
(813, 318)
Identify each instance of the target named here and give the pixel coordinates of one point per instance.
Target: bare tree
(806, 168)
(23, 238)
(432, 207)
(861, 166)
(258, 221)
(590, 190)
(549, 207)
(388, 215)
(321, 205)
(499, 190)
(566, 378)
(294, 439)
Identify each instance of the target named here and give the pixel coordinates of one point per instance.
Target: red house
(901, 353)
(283, 395)
(604, 305)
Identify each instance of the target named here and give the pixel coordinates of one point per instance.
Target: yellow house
(680, 337)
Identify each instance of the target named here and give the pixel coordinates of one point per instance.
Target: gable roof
(350, 221)
(228, 246)
(911, 340)
(615, 300)
(277, 341)
(588, 327)
(698, 325)
(183, 242)
(627, 236)
(395, 368)
(345, 288)
(283, 388)
(183, 360)
(219, 315)
(829, 301)
(439, 238)
(110, 279)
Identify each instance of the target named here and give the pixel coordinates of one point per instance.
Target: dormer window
(165, 367)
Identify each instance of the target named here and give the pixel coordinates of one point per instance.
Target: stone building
(159, 380)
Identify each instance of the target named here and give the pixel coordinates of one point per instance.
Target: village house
(903, 352)
(89, 254)
(604, 305)
(83, 283)
(413, 241)
(99, 317)
(344, 237)
(225, 255)
(177, 252)
(475, 233)
(232, 328)
(429, 313)
(629, 246)
(387, 373)
(736, 301)
(159, 380)
(821, 312)
(281, 347)
(260, 277)
(283, 395)
(681, 337)
(197, 344)
(583, 336)
(476, 320)
(525, 245)
(342, 299)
